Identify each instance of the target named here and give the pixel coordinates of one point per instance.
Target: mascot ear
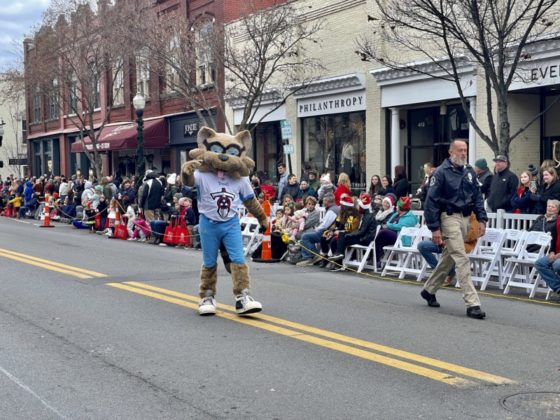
(203, 134)
(244, 138)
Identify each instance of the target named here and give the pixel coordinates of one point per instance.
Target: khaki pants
(151, 215)
(454, 229)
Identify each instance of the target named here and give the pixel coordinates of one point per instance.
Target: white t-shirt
(219, 198)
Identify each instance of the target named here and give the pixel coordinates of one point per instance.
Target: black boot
(475, 312)
(431, 299)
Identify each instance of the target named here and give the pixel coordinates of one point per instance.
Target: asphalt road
(94, 328)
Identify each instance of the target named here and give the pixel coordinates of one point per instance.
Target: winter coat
(485, 180)
(546, 192)
(521, 201)
(152, 193)
(303, 194)
(542, 225)
(293, 190)
(397, 222)
(401, 187)
(340, 189)
(28, 191)
(366, 231)
(503, 186)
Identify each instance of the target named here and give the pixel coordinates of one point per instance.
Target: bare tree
(263, 54)
(492, 35)
(12, 96)
(76, 59)
(266, 57)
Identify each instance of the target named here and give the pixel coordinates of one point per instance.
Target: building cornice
(418, 70)
(344, 83)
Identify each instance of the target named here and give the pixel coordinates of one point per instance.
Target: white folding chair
(398, 259)
(520, 271)
(250, 234)
(485, 258)
(511, 248)
(359, 255)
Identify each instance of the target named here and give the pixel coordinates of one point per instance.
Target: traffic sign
(289, 149)
(286, 128)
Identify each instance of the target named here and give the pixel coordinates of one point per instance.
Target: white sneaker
(131, 239)
(108, 233)
(207, 306)
(245, 304)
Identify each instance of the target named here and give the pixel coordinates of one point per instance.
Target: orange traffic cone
(266, 250)
(47, 218)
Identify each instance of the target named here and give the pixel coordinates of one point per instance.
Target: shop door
(416, 156)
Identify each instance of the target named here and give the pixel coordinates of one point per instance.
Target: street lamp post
(139, 103)
(2, 123)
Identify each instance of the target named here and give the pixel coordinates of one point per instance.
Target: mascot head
(220, 152)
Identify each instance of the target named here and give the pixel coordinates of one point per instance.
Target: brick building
(170, 123)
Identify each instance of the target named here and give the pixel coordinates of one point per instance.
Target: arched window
(143, 73)
(118, 82)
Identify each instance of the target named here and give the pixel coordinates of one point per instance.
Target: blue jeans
(310, 240)
(550, 272)
(213, 233)
(428, 249)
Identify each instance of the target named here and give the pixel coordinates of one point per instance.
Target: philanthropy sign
(333, 104)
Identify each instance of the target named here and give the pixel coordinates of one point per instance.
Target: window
(143, 75)
(73, 95)
(37, 109)
(335, 144)
(52, 101)
(171, 73)
(206, 68)
(118, 83)
(93, 98)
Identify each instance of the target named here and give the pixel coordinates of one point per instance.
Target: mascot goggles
(231, 150)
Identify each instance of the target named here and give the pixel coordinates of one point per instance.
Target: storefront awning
(124, 137)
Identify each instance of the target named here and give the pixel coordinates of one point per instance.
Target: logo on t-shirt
(224, 201)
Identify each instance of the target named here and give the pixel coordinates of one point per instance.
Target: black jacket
(545, 193)
(542, 225)
(366, 232)
(503, 186)
(152, 192)
(454, 190)
(401, 187)
(523, 203)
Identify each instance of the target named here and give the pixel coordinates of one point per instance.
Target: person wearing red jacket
(342, 187)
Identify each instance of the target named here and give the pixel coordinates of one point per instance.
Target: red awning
(123, 137)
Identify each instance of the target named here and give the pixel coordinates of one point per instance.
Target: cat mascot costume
(220, 170)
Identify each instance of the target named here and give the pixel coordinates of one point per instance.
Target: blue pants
(310, 240)
(213, 233)
(550, 272)
(428, 249)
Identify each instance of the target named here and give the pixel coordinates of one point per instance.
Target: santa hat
(389, 199)
(346, 200)
(364, 201)
(404, 203)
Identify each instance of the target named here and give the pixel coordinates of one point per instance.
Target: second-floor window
(52, 101)
(205, 66)
(143, 75)
(171, 72)
(73, 95)
(37, 108)
(118, 83)
(94, 89)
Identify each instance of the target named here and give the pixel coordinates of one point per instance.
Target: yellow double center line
(437, 370)
(50, 265)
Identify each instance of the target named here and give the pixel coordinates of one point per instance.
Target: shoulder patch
(432, 181)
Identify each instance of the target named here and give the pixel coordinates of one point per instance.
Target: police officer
(453, 195)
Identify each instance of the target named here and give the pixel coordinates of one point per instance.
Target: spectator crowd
(350, 217)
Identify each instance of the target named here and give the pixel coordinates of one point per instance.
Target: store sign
(191, 128)
(100, 146)
(335, 104)
(20, 161)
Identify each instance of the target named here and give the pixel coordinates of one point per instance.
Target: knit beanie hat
(404, 203)
(481, 164)
(532, 169)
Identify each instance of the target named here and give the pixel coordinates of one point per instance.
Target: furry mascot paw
(187, 172)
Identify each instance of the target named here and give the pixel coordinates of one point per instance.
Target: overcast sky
(17, 17)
